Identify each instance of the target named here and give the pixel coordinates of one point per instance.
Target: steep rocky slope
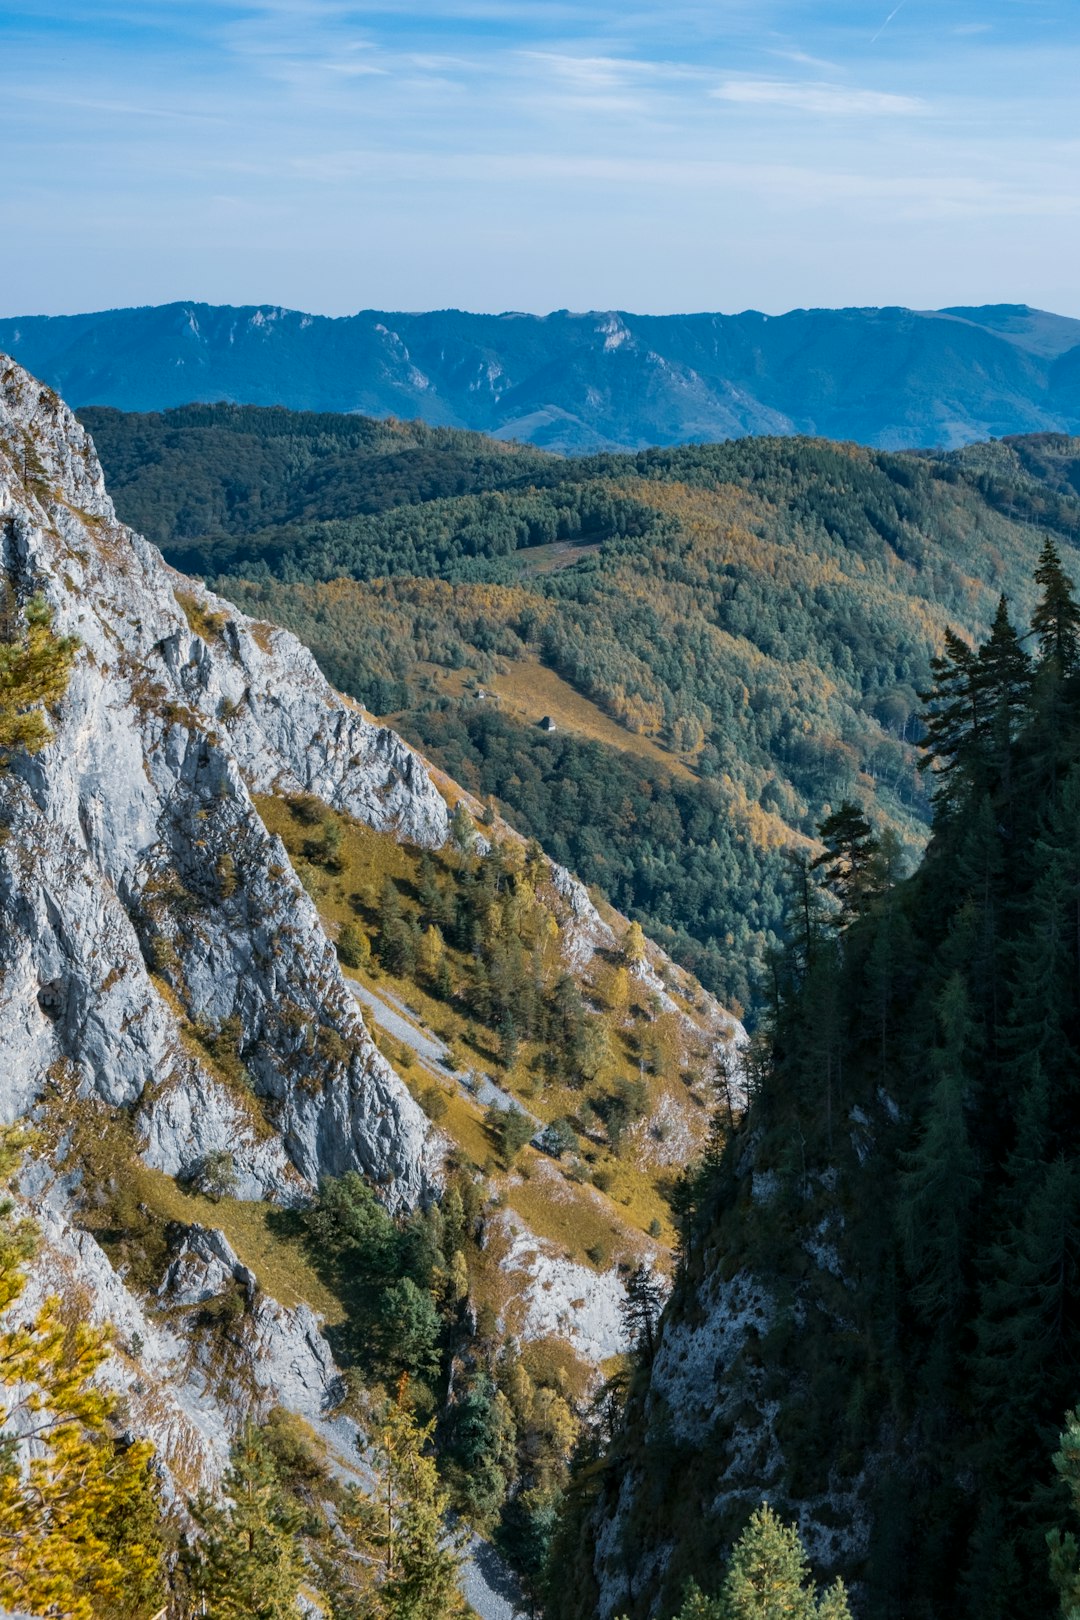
(170, 996)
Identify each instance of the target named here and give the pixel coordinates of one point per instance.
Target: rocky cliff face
(158, 954)
(144, 909)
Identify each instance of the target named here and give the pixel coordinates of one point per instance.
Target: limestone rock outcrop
(156, 948)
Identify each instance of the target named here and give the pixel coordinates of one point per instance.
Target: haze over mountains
(892, 378)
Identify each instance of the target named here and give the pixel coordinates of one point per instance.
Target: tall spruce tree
(1056, 619)
(247, 1563)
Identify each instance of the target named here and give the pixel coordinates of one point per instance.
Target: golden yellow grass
(528, 691)
(280, 1264)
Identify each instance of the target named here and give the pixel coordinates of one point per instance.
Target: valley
(380, 1139)
(740, 652)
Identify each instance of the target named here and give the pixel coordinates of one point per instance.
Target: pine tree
(769, 1577)
(1056, 619)
(421, 1557)
(1064, 1553)
(848, 863)
(641, 1310)
(940, 1179)
(248, 1563)
(953, 719)
(1003, 678)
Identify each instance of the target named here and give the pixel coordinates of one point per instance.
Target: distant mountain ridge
(892, 378)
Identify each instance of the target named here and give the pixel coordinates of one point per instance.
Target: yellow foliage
(34, 670)
(633, 947)
(79, 1524)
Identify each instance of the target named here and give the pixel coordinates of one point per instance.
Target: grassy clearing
(529, 690)
(579, 1220)
(129, 1207)
(280, 1263)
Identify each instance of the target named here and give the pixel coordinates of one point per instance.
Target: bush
(510, 1129)
(216, 1177)
(558, 1138)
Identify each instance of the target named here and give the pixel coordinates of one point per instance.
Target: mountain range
(577, 382)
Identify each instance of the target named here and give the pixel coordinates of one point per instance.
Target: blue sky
(539, 154)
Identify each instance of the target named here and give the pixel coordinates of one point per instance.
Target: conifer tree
(848, 863)
(1003, 677)
(940, 1179)
(80, 1522)
(1064, 1554)
(641, 1310)
(769, 1577)
(953, 718)
(421, 1556)
(633, 945)
(1056, 619)
(248, 1563)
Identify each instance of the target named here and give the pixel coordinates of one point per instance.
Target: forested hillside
(876, 1320)
(729, 639)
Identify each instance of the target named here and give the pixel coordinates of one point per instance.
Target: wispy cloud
(526, 153)
(830, 100)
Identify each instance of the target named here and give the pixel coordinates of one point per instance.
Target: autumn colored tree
(248, 1562)
(421, 1556)
(80, 1532)
(35, 665)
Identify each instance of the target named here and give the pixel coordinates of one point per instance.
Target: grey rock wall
(141, 897)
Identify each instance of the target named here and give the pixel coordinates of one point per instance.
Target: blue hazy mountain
(574, 382)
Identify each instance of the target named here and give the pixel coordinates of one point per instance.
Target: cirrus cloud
(831, 100)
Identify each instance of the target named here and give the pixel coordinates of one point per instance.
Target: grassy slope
(556, 1201)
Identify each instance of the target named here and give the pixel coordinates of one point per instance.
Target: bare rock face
(155, 942)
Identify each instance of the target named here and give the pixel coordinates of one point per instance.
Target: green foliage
(1064, 1555)
(217, 1176)
(769, 1578)
(479, 1454)
(796, 593)
(509, 1128)
(422, 1558)
(35, 665)
(383, 1271)
(913, 1139)
(248, 1563)
(641, 1310)
(353, 946)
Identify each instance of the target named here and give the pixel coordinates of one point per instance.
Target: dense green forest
(910, 1159)
(747, 624)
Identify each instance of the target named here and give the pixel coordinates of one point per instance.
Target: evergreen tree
(1064, 1553)
(1003, 678)
(953, 719)
(421, 1557)
(80, 1519)
(769, 1577)
(641, 1309)
(248, 1563)
(940, 1180)
(1056, 619)
(848, 863)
